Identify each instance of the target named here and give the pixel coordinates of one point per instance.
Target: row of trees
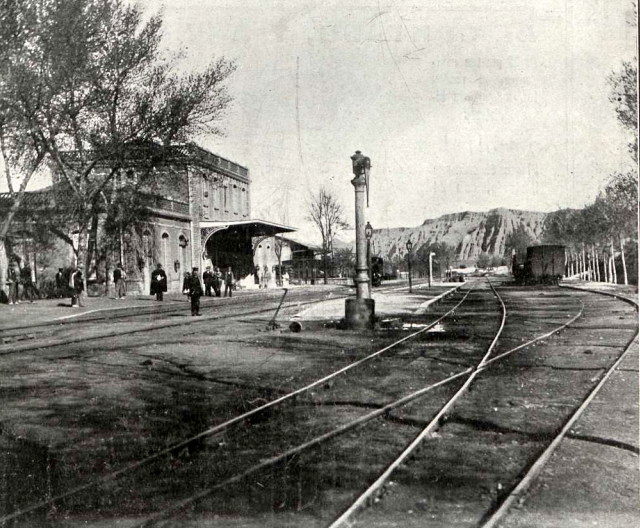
(83, 84)
(601, 232)
(608, 227)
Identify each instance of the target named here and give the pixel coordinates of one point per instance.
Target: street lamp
(368, 233)
(431, 255)
(409, 245)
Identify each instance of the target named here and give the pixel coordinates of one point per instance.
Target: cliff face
(470, 233)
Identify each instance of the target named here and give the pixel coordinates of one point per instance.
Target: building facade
(197, 214)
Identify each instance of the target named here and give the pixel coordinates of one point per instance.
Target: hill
(470, 233)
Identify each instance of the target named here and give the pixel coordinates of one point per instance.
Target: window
(182, 245)
(165, 258)
(235, 200)
(205, 198)
(216, 194)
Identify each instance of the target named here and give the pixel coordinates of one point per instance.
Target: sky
(460, 104)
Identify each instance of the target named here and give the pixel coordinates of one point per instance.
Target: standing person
(207, 278)
(267, 277)
(217, 281)
(228, 282)
(185, 282)
(194, 291)
(76, 287)
(261, 277)
(120, 278)
(59, 283)
(13, 280)
(28, 289)
(158, 283)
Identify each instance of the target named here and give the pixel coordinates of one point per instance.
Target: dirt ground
(73, 413)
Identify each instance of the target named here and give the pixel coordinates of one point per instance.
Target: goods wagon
(542, 265)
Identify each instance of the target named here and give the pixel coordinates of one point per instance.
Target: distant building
(300, 261)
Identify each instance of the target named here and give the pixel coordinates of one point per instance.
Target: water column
(360, 312)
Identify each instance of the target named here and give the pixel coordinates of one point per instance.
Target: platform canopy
(232, 243)
(251, 227)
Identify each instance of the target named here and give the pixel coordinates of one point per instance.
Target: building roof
(31, 200)
(185, 153)
(255, 226)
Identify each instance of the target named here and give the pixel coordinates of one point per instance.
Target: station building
(199, 215)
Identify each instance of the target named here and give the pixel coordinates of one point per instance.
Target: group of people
(212, 279)
(71, 283)
(191, 286)
(20, 275)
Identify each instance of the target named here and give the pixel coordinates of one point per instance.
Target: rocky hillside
(470, 233)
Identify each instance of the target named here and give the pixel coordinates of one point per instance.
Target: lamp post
(368, 233)
(409, 245)
(431, 254)
(360, 312)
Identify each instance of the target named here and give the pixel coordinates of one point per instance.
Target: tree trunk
(83, 253)
(613, 262)
(624, 264)
(605, 267)
(4, 266)
(610, 265)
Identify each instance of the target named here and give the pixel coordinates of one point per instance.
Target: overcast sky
(460, 104)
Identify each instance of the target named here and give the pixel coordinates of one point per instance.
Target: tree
(484, 260)
(518, 240)
(328, 216)
(344, 261)
(21, 97)
(620, 209)
(108, 93)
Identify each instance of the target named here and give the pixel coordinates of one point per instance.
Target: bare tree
(326, 212)
(107, 92)
(21, 97)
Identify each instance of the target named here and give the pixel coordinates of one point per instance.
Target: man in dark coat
(28, 290)
(13, 280)
(207, 278)
(217, 281)
(193, 288)
(229, 280)
(60, 283)
(158, 282)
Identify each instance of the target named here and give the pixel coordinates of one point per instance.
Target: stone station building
(198, 215)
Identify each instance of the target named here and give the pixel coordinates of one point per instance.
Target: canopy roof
(253, 227)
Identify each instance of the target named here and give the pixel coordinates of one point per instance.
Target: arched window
(165, 258)
(146, 244)
(182, 244)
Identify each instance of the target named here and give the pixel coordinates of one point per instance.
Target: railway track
(508, 464)
(291, 396)
(381, 484)
(390, 410)
(24, 338)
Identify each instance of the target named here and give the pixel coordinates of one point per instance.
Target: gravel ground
(85, 409)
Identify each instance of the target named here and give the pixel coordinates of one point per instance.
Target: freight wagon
(542, 265)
